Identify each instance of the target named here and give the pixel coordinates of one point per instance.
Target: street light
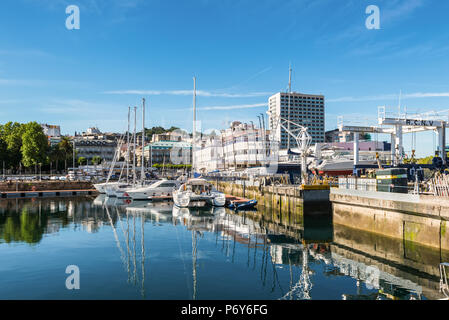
(73, 154)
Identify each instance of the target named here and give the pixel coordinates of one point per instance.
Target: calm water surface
(155, 251)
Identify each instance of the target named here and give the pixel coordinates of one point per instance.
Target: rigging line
(233, 248)
(134, 250)
(263, 261)
(249, 246)
(255, 253)
(125, 235)
(117, 241)
(129, 250)
(194, 250)
(291, 274)
(183, 261)
(227, 240)
(265, 268)
(142, 245)
(276, 278)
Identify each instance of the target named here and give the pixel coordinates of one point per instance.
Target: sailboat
(123, 191)
(102, 187)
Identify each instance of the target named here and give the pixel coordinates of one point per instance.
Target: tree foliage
(82, 161)
(157, 130)
(34, 145)
(96, 160)
(27, 144)
(11, 134)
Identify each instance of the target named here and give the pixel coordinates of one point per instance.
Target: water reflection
(293, 256)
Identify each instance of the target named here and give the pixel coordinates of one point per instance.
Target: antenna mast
(289, 94)
(127, 147)
(142, 173)
(134, 148)
(194, 127)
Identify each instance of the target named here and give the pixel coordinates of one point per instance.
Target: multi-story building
(51, 130)
(105, 149)
(167, 152)
(53, 133)
(238, 147)
(304, 109)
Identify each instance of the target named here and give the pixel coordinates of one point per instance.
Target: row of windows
(305, 103)
(296, 98)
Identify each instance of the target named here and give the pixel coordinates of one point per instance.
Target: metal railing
(439, 186)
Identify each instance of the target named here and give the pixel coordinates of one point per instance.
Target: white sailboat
(122, 192)
(101, 187)
(198, 193)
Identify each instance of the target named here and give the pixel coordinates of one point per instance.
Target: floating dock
(48, 193)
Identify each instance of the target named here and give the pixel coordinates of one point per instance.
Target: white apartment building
(51, 130)
(305, 109)
(238, 147)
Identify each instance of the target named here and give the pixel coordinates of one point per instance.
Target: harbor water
(141, 250)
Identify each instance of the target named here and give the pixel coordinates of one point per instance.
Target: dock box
(392, 180)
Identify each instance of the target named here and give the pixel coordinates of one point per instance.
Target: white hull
(101, 187)
(187, 199)
(162, 188)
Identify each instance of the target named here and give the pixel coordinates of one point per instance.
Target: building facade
(167, 152)
(238, 147)
(53, 133)
(304, 109)
(51, 130)
(105, 149)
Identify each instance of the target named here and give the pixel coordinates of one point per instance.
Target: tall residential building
(305, 109)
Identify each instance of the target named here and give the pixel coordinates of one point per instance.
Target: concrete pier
(415, 219)
(285, 199)
(414, 267)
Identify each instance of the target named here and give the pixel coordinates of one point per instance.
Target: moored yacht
(101, 187)
(111, 189)
(157, 189)
(198, 193)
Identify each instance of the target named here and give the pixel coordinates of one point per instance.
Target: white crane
(301, 136)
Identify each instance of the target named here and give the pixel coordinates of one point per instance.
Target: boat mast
(194, 127)
(134, 147)
(127, 147)
(289, 95)
(142, 173)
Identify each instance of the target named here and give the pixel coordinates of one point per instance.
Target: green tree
(34, 145)
(3, 152)
(11, 133)
(66, 149)
(96, 160)
(82, 161)
(157, 130)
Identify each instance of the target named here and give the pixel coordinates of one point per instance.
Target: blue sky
(238, 50)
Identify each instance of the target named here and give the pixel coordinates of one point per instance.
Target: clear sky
(238, 50)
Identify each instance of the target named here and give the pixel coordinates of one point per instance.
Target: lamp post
(73, 154)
